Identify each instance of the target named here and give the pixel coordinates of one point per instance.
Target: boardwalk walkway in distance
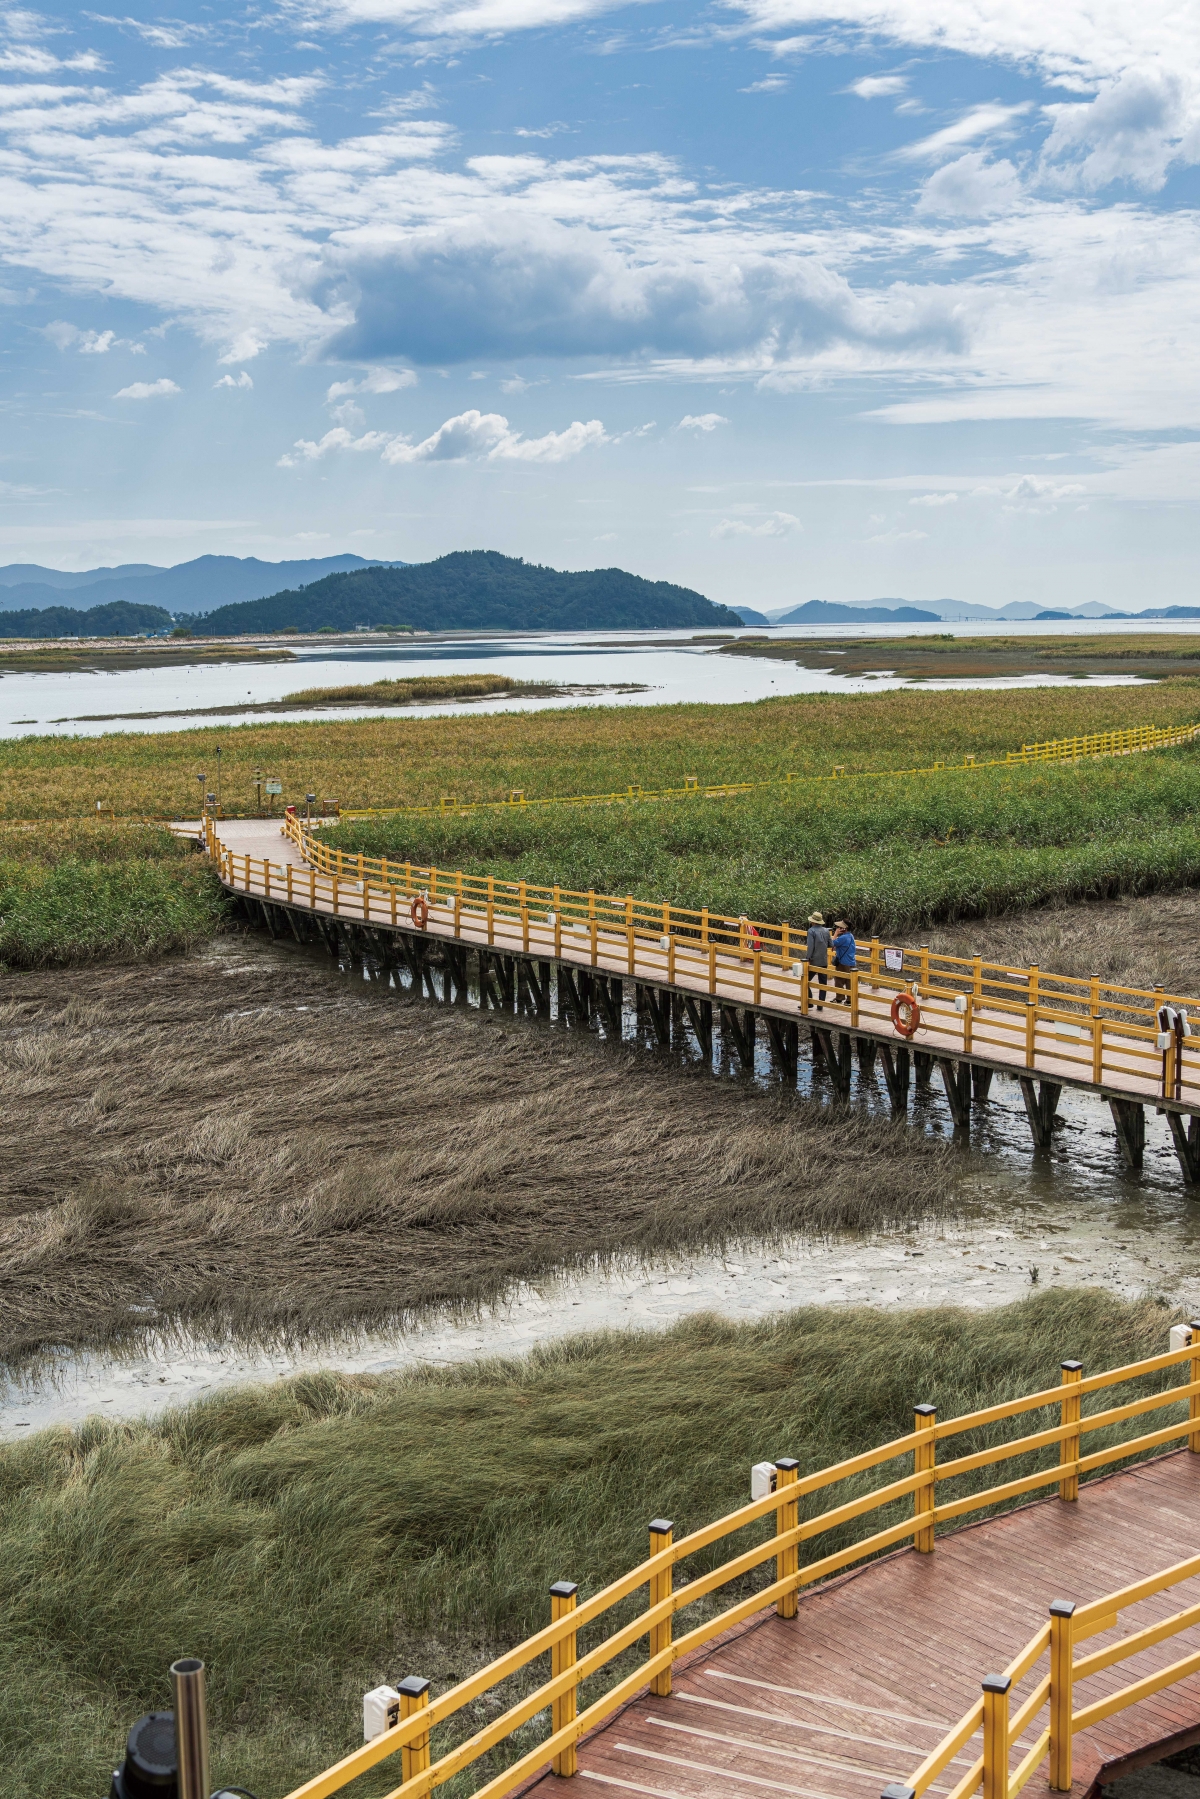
(699, 973)
(854, 1692)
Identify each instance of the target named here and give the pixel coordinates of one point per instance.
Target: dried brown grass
(244, 1141)
(1145, 942)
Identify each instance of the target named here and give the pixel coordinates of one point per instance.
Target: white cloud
(981, 121)
(972, 187)
(243, 380)
(878, 87)
(895, 537)
(488, 434)
(470, 436)
(770, 84)
(775, 524)
(703, 421)
(934, 499)
(65, 336)
(375, 381)
(147, 390)
(1130, 132)
(1034, 494)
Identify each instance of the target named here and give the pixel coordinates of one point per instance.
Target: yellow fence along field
(1059, 749)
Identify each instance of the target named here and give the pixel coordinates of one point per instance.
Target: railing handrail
(791, 1575)
(1091, 745)
(940, 975)
(1066, 1719)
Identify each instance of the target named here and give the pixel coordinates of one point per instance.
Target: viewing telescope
(166, 1753)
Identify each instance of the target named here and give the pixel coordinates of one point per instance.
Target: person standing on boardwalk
(819, 939)
(844, 957)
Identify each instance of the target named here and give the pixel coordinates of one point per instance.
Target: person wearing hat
(819, 939)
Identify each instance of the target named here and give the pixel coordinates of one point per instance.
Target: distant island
(472, 590)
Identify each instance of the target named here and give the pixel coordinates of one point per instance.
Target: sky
(777, 300)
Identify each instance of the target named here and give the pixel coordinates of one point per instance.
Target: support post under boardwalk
(1068, 1449)
(563, 1656)
(1185, 1134)
(956, 1079)
(785, 1044)
(1129, 1116)
(662, 1535)
(981, 1083)
(924, 1462)
(897, 1073)
(1062, 1676)
(1041, 1105)
(700, 1017)
(787, 1516)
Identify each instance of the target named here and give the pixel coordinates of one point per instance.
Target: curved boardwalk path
(878, 1665)
(1025, 1023)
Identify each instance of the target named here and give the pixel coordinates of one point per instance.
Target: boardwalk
(1049, 1031)
(877, 1666)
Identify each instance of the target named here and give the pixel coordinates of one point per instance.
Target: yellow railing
(1060, 749)
(1128, 1039)
(1054, 1692)
(559, 1639)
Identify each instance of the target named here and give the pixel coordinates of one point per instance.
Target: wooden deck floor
(879, 1664)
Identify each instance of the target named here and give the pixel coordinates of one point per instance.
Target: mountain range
(899, 611)
(189, 587)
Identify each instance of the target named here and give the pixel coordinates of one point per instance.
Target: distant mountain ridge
(474, 590)
(829, 612)
(201, 585)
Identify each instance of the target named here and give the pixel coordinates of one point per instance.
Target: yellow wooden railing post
(995, 1736)
(924, 1462)
(563, 1655)
(414, 1695)
(662, 1535)
(1194, 1375)
(1068, 1449)
(787, 1517)
(1062, 1672)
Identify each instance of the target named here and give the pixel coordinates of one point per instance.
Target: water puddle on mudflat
(1070, 1216)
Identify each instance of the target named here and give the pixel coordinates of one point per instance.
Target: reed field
(77, 890)
(313, 1538)
(592, 749)
(889, 855)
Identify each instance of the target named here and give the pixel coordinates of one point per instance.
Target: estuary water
(669, 666)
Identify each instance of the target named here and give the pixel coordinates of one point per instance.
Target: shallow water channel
(1067, 1216)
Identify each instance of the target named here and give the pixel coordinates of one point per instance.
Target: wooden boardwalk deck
(1113, 1061)
(880, 1663)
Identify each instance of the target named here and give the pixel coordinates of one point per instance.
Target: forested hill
(115, 620)
(474, 590)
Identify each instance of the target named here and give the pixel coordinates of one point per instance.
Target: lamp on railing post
(1062, 1671)
(787, 1517)
(995, 1735)
(662, 1535)
(563, 1655)
(414, 1696)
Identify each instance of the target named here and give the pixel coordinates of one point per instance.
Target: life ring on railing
(906, 1014)
(419, 910)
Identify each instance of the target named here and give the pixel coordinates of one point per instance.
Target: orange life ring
(419, 911)
(906, 1014)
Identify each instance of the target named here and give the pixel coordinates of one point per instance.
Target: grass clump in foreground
(888, 854)
(313, 1538)
(80, 891)
(593, 749)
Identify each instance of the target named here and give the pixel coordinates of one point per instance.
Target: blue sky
(780, 301)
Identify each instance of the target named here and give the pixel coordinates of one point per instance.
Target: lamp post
(218, 780)
(310, 800)
(258, 790)
(203, 779)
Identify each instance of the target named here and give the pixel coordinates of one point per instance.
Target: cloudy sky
(780, 300)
